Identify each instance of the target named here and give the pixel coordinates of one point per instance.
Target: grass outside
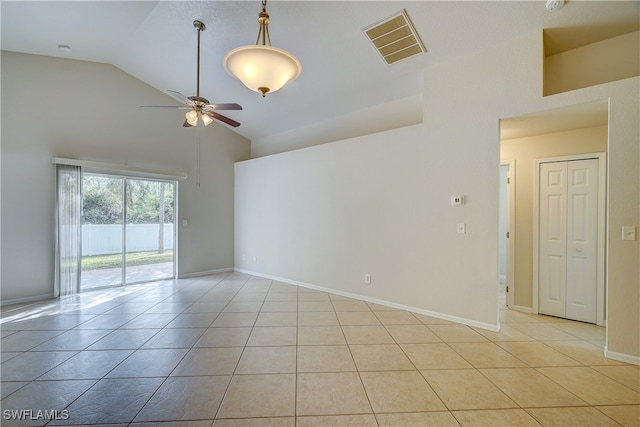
(133, 258)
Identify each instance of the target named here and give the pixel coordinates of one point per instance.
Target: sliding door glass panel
(102, 215)
(149, 230)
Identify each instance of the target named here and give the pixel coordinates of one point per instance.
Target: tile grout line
(341, 325)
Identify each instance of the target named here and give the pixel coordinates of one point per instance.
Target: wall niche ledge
(580, 57)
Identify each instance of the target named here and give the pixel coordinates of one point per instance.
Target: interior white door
(568, 215)
(582, 226)
(552, 261)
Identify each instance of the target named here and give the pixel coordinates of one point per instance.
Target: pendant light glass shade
(261, 67)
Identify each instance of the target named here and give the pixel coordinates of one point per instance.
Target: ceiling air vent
(395, 38)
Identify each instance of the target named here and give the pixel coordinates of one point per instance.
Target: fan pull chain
(198, 157)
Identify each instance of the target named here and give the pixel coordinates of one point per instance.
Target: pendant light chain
(263, 19)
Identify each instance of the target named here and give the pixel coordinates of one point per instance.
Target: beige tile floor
(235, 350)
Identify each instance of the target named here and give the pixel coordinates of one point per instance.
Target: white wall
(377, 118)
(54, 107)
(330, 214)
(379, 204)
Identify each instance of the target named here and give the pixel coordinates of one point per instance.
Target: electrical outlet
(457, 200)
(462, 228)
(367, 278)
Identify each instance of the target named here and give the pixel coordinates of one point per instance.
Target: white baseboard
(443, 316)
(206, 273)
(26, 300)
(521, 308)
(621, 357)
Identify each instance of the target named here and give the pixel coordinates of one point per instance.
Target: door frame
(511, 229)
(601, 232)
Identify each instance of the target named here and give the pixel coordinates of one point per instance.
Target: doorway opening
(128, 233)
(576, 130)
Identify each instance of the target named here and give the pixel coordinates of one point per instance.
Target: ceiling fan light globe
(191, 116)
(260, 66)
(206, 119)
(193, 122)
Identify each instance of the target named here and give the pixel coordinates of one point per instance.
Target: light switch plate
(462, 228)
(629, 232)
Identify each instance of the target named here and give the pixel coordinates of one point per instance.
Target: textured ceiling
(341, 72)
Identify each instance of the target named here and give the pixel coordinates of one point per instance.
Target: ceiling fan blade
(227, 106)
(186, 125)
(175, 107)
(222, 118)
(180, 97)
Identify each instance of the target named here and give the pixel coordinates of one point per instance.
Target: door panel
(102, 212)
(555, 279)
(582, 215)
(149, 230)
(553, 245)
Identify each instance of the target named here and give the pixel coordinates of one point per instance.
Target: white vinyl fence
(103, 239)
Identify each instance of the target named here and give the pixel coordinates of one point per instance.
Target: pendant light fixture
(262, 67)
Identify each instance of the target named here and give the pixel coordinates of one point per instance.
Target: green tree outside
(102, 202)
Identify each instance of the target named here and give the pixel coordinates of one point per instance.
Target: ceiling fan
(199, 107)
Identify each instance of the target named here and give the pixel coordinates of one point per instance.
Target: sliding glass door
(127, 230)
(149, 230)
(102, 218)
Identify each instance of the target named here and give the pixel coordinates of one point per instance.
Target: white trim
(511, 228)
(206, 273)
(110, 168)
(602, 225)
(462, 320)
(503, 279)
(601, 300)
(522, 309)
(621, 357)
(26, 299)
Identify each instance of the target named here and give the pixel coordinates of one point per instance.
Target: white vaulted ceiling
(341, 72)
